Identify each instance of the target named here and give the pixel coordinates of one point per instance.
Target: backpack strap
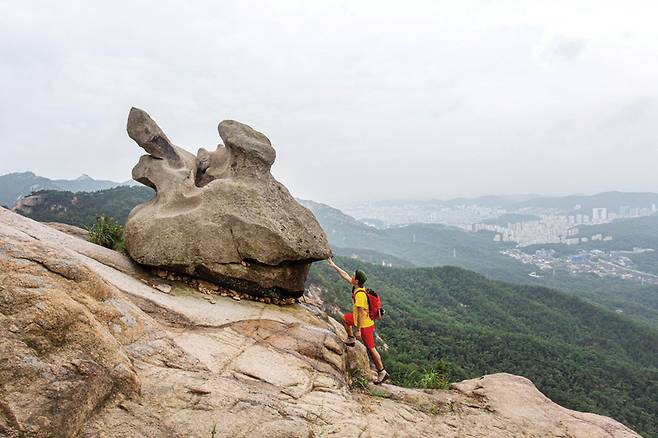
(363, 290)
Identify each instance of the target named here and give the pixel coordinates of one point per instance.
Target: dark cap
(360, 276)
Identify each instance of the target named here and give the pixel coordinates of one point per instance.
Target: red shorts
(367, 333)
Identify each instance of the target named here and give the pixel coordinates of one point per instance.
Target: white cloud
(563, 48)
(361, 99)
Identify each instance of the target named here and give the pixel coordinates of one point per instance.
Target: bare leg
(348, 328)
(376, 358)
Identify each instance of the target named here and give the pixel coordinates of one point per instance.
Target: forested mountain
(80, 209)
(85, 183)
(14, 186)
(437, 245)
(420, 244)
(580, 355)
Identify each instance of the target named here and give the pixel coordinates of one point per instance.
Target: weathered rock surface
(69, 229)
(221, 215)
(89, 349)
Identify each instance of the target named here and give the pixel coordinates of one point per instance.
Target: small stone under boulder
(221, 215)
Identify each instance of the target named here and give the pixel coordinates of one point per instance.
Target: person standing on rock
(360, 318)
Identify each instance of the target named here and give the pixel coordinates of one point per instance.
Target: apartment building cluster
(557, 228)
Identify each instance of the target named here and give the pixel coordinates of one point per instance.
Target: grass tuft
(108, 233)
(432, 377)
(358, 379)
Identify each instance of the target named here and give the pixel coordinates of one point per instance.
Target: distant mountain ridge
(419, 244)
(610, 200)
(14, 186)
(492, 201)
(81, 208)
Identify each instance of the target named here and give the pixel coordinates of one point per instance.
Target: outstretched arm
(341, 272)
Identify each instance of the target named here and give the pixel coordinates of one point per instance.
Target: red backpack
(374, 304)
(375, 310)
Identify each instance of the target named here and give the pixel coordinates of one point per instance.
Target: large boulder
(221, 215)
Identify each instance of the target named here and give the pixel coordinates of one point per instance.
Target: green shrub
(358, 379)
(436, 376)
(108, 233)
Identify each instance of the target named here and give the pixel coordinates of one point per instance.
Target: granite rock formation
(221, 215)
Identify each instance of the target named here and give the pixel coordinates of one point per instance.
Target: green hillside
(419, 244)
(437, 245)
(80, 209)
(14, 186)
(581, 356)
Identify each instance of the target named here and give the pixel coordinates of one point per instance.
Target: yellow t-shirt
(361, 300)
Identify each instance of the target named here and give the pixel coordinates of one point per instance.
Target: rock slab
(221, 215)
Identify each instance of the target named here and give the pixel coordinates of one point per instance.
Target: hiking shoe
(351, 341)
(382, 376)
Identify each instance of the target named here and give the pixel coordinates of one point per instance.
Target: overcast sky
(362, 100)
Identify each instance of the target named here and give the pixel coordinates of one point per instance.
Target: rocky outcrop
(28, 203)
(62, 332)
(221, 215)
(89, 348)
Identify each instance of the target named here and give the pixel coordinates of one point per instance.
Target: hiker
(360, 319)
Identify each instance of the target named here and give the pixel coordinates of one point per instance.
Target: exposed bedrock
(221, 215)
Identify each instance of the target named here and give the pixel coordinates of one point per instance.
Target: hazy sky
(361, 99)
